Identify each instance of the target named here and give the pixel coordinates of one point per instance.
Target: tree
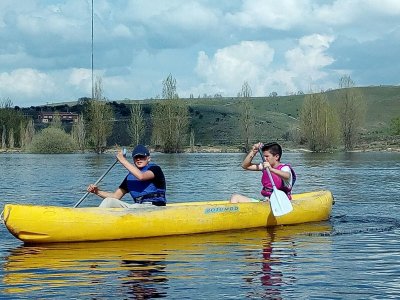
(395, 126)
(3, 138)
(169, 88)
(52, 140)
(170, 124)
(351, 109)
(99, 118)
(79, 133)
(170, 119)
(56, 121)
(318, 123)
(27, 133)
(181, 125)
(246, 115)
(22, 134)
(11, 140)
(192, 140)
(10, 120)
(136, 123)
(273, 94)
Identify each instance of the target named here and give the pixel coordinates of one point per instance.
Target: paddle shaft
(268, 171)
(98, 180)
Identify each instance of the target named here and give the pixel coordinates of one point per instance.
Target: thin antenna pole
(92, 55)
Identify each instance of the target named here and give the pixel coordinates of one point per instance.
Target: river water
(354, 255)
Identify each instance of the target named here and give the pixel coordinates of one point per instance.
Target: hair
(274, 148)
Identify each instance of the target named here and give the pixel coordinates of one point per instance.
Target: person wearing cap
(283, 175)
(145, 182)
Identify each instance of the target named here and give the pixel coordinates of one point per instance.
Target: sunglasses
(140, 157)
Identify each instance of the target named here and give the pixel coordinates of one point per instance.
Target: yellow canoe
(50, 224)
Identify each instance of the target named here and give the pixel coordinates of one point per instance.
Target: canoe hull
(49, 224)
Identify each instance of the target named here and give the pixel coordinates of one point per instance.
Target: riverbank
(387, 145)
(216, 149)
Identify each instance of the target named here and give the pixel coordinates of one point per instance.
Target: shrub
(52, 140)
(395, 126)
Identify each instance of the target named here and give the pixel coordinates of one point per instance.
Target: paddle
(280, 203)
(98, 180)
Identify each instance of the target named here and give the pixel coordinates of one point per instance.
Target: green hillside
(220, 119)
(216, 121)
(383, 104)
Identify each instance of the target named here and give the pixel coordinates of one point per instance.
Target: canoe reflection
(279, 248)
(143, 268)
(270, 276)
(135, 266)
(141, 276)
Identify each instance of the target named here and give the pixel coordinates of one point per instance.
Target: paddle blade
(280, 203)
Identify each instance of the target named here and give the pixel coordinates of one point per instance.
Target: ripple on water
(353, 256)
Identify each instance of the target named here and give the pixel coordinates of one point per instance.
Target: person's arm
(118, 193)
(289, 180)
(148, 175)
(281, 173)
(247, 162)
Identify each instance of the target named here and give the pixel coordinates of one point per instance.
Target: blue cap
(140, 150)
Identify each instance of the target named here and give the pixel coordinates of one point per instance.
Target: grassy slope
(276, 115)
(216, 121)
(383, 104)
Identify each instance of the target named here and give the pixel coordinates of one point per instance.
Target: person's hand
(256, 147)
(266, 165)
(121, 155)
(92, 189)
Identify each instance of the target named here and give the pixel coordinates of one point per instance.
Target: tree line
(323, 125)
(170, 124)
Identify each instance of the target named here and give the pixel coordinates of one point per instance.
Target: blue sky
(210, 47)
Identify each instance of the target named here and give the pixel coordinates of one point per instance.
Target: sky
(210, 47)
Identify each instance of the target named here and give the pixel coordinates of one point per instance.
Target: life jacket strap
(267, 189)
(143, 198)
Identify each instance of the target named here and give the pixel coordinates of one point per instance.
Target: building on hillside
(66, 117)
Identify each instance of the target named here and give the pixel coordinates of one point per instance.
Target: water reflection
(142, 268)
(141, 278)
(279, 250)
(135, 267)
(359, 256)
(271, 277)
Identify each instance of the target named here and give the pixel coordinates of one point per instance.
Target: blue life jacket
(144, 190)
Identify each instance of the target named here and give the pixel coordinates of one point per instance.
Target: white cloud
(183, 13)
(309, 57)
(231, 66)
(25, 83)
(62, 21)
(254, 62)
(122, 31)
(304, 65)
(208, 46)
(282, 81)
(350, 11)
(80, 79)
(280, 15)
(361, 20)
